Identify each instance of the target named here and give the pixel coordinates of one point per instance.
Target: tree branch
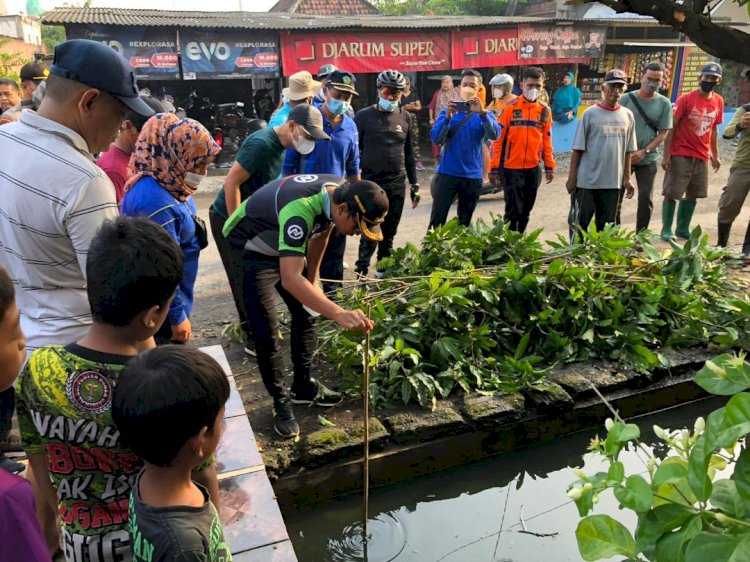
(719, 40)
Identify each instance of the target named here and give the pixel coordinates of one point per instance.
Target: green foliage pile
(693, 505)
(484, 309)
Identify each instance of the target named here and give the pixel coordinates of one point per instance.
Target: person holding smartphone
(460, 129)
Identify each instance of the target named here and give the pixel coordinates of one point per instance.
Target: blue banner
(222, 53)
(152, 51)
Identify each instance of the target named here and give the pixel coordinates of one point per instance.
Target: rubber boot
(667, 216)
(684, 213)
(724, 230)
(746, 244)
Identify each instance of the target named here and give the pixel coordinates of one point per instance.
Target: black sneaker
(283, 418)
(320, 396)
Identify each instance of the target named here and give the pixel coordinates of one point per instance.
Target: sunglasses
(388, 91)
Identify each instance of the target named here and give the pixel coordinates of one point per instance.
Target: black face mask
(707, 86)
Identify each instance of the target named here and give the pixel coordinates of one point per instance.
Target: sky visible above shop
(19, 6)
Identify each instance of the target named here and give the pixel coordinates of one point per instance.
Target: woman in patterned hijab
(170, 160)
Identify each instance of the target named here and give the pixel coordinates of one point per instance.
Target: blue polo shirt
(339, 156)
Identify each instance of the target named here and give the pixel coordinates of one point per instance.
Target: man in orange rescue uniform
(525, 138)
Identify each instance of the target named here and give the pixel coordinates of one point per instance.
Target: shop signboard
(220, 53)
(152, 51)
(366, 52)
(485, 48)
(551, 44)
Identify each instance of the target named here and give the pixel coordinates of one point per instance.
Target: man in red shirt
(114, 162)
(687, 150)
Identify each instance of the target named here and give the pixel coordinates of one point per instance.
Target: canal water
(476, 512)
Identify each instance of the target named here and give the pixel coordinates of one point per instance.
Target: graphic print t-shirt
(176, 534)
(697, 117)
(64, 410)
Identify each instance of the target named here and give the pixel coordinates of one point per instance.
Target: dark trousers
(231, 259)
(332, 265)
(520, 187)
(396, 193)
(445, 189)
(592, 204)
(7, 405)
(262, 282)
(414, 135)
(644, 177)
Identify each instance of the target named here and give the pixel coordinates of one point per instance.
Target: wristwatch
(648, 150)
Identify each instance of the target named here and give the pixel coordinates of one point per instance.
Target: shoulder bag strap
(646, 118)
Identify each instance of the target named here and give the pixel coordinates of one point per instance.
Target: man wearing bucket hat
(283, 229)
(339, 157)
(301, 89)
(602, 147)
(692, 142)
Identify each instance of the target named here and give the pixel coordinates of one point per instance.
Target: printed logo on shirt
(614, 130)
(90, 392)
(701, 121)
(517, 114)
(306, 178)
(399, 129)
(295, 232)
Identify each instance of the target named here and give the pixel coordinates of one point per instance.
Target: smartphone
(463, 106)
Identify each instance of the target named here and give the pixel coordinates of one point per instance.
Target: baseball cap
(98, 66)
(711, 69)
(343, 81)
(301, 86)
(325, 70)
(371, 203)
(33, 71)
(616, 76)
(311, 119)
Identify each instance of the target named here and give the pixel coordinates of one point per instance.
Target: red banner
(366, 52)
(485, 47)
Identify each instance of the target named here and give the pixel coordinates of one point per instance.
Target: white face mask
(497, 93)
(194, 180)
(303, 145)
(531, 94)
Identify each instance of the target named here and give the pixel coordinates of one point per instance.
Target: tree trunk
(719, 40)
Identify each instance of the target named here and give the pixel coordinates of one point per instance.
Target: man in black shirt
(411, 103)
(386, 158)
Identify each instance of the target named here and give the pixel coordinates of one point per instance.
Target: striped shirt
(53, 199)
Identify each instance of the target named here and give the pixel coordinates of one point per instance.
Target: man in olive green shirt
(738, 184)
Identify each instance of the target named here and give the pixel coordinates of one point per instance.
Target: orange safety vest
(525, 138)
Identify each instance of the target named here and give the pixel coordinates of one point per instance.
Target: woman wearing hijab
(566, 100)
(440, 100)
(170, 160)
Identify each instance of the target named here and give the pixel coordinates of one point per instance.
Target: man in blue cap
(54, 196)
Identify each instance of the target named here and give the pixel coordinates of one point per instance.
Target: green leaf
(742, 552)
(714, 378)
(727, 499)
(660, 520)
(698, 478)
(616, 472)
(600, 536)
(324, 422)
(636, 494)
(707, 547)
(668, 473)
(742, 475)
(522, 345)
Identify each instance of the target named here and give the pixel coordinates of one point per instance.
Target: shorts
(686, 177)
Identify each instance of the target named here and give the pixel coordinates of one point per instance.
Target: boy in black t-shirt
(168, 407)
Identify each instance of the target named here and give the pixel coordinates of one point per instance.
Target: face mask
(649, 87)
(467, 93)
(498, 93)
(303, 145)
(338, 107)
(531, 94)
(387, 105)
(193, 180)
(707, 86)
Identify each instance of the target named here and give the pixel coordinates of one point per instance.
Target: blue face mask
(338, 107)
(387, 105)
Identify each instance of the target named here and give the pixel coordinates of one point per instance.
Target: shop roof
(325, 7)
(285, 21)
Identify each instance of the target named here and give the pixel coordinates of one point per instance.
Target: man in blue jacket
(461, 130)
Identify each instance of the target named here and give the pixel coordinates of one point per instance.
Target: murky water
(475, 512)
